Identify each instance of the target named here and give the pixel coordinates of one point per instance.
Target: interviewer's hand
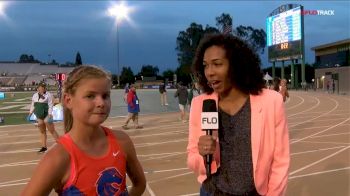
(206, 144)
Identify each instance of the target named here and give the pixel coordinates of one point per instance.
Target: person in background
(182, 95)
(276, 83)
(194, 92)
(251, 148)
(163, 95)
(41, 106)
(328, 86)
(283, 89)
(89, 159)
(133, 108)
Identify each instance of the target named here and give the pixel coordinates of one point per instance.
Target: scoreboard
(284, 27)
(284, 35)
(60, 76)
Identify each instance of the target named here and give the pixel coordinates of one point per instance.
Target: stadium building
(332, 67)
(20, 75)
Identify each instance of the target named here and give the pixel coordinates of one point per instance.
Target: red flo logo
(318, 12)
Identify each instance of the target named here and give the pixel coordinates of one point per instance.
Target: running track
(319, 125)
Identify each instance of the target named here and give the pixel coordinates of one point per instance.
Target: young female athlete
(89, 159)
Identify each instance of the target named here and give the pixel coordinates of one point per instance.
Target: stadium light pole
(119, 12)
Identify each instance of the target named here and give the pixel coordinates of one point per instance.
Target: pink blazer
(269, 140)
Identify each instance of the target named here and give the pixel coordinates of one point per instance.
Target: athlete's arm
(133, 166)
(49, 173)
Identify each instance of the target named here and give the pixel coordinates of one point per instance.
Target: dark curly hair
(245, 73)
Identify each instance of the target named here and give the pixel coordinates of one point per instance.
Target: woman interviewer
(251, 148)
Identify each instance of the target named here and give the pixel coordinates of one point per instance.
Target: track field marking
(330, 135)
(20, 151)
(165, 156)
(13, 181)
(318, 173)
(316, 162)
(150, 191)
(166, 170)
(318, 150)
(158, 134)
(160, 154)
(299, 129)
(320, 131)
(29, 129)
(334, 108)
(307, 116)
(313, 107)
(317, 142)
(170, 177)
(191, 194)
(25, 142)
(21, 163)
(302, 101)
(159, 143)
(26, 135)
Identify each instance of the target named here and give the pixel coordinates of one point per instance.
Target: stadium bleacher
(17, 74)
(32, 68)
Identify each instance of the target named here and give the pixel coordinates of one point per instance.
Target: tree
(25, 58)
(224, 22)
(149, 71)
(210, 30)
(168, 74)
(54, 62)
(187, 41)
(127, 76)
(186, 45)
(30, 58)
(78, 60)
(256, 38)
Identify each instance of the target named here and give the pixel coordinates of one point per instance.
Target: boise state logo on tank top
(109, 182)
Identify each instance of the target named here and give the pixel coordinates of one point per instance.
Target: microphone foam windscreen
(209, 105)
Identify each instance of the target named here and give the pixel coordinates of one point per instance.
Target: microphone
(209, 121)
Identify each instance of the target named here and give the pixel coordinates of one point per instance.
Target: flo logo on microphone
(210, 120)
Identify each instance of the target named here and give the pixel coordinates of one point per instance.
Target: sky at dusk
(61, 28)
